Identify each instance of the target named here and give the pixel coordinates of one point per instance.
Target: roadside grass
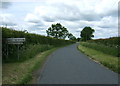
(109, 61)
(107, 49)
(28, 52)
(21, 72)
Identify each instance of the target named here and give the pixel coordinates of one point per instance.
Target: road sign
(15, 40)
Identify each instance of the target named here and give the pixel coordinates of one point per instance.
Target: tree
(57, 31)
(87, 33)
(78, 39)
(71, 37)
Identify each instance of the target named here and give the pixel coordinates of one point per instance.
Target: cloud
(108, 32)
(75, 15)
(48, 19)
(107, 22)
(32, 18)
(7, 19)
(5, 5)
(53, 11)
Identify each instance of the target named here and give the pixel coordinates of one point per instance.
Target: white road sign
(15, 40)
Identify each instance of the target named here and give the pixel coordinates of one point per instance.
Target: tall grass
(114, 41)
(33, 50)
(111, 50)
(28, 52)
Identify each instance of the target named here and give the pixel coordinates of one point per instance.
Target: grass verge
(21, 72)
(107, 49)
(109, 61)
(26, 52)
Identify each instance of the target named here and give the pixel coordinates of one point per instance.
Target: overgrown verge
(108, 45)
(107, 60)
(21, 72)
(111, 50)
(27, 52)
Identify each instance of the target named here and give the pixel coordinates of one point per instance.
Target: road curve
(69, 66)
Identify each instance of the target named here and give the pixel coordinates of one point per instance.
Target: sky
(37, 16)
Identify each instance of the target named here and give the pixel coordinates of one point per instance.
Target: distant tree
(57, 31)
(71, 37)
(78, 39)
(87, 33)
(25, 31)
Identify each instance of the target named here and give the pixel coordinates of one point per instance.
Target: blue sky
(37, 16)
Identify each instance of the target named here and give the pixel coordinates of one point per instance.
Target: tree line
(60, 32)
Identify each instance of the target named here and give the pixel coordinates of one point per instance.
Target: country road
(67, 65)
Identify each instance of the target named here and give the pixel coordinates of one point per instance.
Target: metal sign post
(16, 41)
(18, 51)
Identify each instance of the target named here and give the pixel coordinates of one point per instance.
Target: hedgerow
(34, 41)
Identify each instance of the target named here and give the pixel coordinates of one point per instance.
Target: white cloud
(31, 18)
(7, 19)
(108, 22)
(75, 15)
(106, 6)
(4, 5)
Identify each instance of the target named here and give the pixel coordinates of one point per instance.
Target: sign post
(16, 41)
(18, 51)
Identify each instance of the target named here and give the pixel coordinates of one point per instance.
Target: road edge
(96, 61)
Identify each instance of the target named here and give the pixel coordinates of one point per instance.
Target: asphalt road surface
(69, 66)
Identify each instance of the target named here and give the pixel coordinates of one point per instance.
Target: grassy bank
(107, 60)
(111, 50)
(21, 72)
